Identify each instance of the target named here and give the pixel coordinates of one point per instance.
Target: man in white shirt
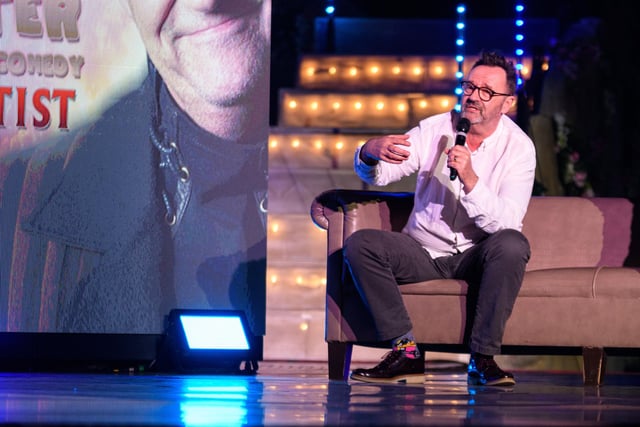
(466, 223)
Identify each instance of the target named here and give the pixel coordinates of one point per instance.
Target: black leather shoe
(485, 371)
(395, 367)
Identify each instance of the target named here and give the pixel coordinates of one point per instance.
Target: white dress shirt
(445, 219)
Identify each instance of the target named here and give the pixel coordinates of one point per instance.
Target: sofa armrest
(341, 212)
(344, 211)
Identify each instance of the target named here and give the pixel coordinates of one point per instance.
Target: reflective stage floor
(299, 393)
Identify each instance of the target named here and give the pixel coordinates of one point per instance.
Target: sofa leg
(339, 360)
(594, 365)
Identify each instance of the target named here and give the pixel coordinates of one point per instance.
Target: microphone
(461, 136)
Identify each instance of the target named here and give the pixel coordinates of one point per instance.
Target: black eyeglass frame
(481, 90)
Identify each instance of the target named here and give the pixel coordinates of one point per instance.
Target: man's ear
(508, 103)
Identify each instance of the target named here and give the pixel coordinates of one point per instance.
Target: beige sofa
(576, 298)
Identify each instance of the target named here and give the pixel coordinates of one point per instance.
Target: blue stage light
(329, 7)
(199, 332)
(217, 341)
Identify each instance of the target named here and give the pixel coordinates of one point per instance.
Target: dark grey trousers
(380, 261)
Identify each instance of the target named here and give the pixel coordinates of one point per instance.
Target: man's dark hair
(496, 59)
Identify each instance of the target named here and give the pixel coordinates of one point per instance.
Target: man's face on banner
(212, 49)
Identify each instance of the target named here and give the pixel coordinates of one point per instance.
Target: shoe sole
(498, 382)
(408, 379)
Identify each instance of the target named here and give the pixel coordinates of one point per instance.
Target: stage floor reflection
(300, 394)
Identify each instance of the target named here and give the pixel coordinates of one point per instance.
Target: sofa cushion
(582, 282)
(578, 232)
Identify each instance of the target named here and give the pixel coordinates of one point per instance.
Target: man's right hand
(386, 148)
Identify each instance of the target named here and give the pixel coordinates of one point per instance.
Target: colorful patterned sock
(407, 346)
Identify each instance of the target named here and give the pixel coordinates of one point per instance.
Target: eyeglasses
(484, 93)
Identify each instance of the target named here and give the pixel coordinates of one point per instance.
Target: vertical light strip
(519, 40)
(460, 26)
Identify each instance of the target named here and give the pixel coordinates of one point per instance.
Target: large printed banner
(133, 162)
(61, 64)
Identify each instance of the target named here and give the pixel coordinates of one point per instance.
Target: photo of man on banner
(157, 203)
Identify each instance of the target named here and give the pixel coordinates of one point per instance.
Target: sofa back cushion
(577, 231)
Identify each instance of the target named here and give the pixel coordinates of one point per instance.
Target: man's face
(212, 49)
(487, 112)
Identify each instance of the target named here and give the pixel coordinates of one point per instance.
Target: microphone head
(463, 125)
